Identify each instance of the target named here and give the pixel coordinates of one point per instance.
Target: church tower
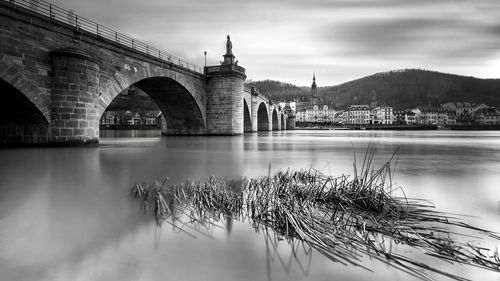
(314, 92)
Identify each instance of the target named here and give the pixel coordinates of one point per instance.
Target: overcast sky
(340, 40)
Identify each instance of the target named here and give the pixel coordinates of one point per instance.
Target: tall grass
(344, 218)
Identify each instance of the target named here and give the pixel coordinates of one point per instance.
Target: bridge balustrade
(224, 67)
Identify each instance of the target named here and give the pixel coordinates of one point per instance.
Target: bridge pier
(225, 101)
(75, 98)
(290, 122)
(255, 108)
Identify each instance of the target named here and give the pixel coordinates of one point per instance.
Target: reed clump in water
(344, 218)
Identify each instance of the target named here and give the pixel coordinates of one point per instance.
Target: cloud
(409, 36)
(286, 38)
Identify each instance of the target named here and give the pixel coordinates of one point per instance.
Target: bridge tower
(225, 88)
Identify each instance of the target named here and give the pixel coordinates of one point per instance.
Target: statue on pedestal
(228, 57)
(229, 46)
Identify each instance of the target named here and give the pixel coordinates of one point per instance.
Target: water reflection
(345, 219)
(64, 214)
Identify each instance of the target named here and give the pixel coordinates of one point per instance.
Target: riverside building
(314, 111)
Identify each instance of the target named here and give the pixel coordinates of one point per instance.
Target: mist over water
(65, 213)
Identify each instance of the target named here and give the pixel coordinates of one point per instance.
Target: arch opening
(180, 114)
(262, 118)
(247, 121)
(21, 122)
(131, 109)
(275, 120)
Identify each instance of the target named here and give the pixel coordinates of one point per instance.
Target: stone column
(224, 102)
(290, 122)
(163, 124)
(75, 98)
(270, 117)
(279, 121)
(253, 115)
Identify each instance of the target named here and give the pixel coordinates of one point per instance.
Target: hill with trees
(278, 91)
(413, 87)
(133, 99)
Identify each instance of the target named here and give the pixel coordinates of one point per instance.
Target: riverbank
(403, 127)
(369, 127)
(128, 127)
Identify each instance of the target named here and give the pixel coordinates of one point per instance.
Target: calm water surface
(64, 213)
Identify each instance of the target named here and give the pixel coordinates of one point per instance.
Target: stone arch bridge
(59, 73)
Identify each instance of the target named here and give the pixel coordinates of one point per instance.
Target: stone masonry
(225, 102)
(75, 98)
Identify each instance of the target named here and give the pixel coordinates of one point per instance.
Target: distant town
(131, 119)
(447, 115)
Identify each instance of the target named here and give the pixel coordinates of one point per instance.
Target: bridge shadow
(262, 118)
(247, 121)
(275, 120)
(21, 122)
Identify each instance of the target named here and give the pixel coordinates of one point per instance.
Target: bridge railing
(256, 92)
(82, 24)
(224, 67)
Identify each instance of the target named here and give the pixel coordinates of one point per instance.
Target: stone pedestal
(229, 59)
(224, 102)
(75, 98)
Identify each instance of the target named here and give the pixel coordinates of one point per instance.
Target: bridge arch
(21, 120)
(262, 117)
(275, 120)
(115, 82)
(247, 120)
(178, 106)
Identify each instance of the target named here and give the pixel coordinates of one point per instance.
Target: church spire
(314, 91)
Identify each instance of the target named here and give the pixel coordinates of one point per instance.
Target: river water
(65, 215)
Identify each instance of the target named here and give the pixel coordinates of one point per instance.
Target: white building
(405, 117)
(358, 114)
(300, 116)
(383, 115)
(435, 116)
(317, 114)
(410, 118)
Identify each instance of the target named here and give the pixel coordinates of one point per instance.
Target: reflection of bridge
(59, 72)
